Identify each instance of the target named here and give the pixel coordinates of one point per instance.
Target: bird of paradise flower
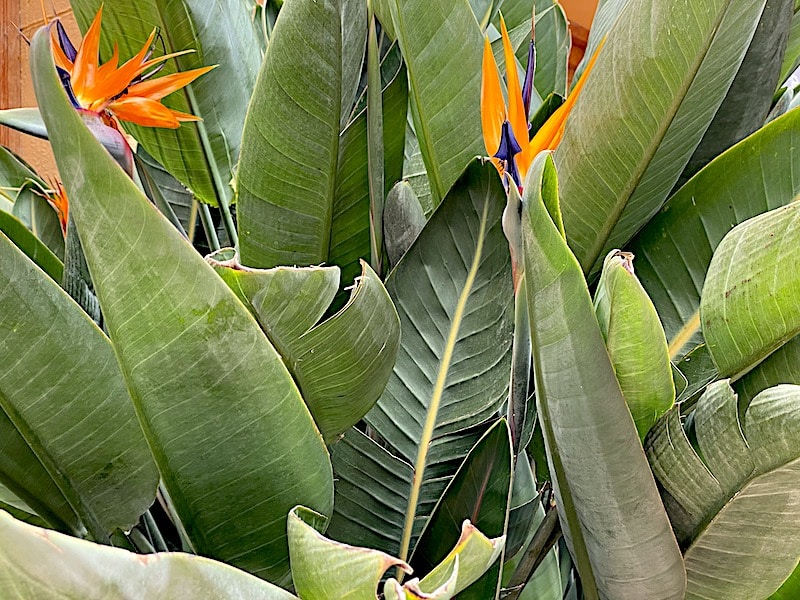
(506, 129)
(128, 92)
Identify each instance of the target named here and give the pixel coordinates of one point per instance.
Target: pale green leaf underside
(674, 251)
(42, 564)
(655, 88)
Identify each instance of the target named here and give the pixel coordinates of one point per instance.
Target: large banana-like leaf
(749, 98)
(32, 246)
(674, 251)
(441, 45)
(735, 501)
(342, 364)
(64, 397)
(201, 155)
(425, 286)
(233, 440)
(791, 59)
(663, 72)
(749, 306)
(41, 564)
(610, 510)
(288, 213)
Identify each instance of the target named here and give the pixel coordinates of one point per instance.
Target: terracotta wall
(20, 18)
(15, 84)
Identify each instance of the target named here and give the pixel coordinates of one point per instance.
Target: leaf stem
(438, 391)
(208, 226)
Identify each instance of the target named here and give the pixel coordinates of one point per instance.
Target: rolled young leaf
(610, 510)
(635, 341)
(223, 418)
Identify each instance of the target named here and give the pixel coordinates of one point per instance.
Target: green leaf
(552, 48)
(749, 98)
(371, 493)
(350, 236)
(42, 564)
(635, 341)
(479, 491)
(20, 184)
(342, 364)
(17, 508)
(69, 413)
(200, 155)
(403, 219)
(656, 86)
(210, 391)
(32, 246)
(443, 59)
(790, 588)
(414, 170)
(611, 514)
(735, 499)
(749, 304)
(791, 59)
(674, 251)
(288, 213)
(26, 120)
(323, 569)
(425, 286)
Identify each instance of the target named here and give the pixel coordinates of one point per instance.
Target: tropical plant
(569, 370)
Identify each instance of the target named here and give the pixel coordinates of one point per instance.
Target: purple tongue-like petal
(65, 43)
(67, 84)
(509, 148)
(527, 86)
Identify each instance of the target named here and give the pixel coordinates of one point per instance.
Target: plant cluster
(331, 302)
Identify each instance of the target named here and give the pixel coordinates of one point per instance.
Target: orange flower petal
(144, 111)
(107, 68)
(493, 107)
(516, 109)
(164, 86)
(119, 79)
(84, 71)
(550, 134)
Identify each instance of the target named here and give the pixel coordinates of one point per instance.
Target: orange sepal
(550, 134)
(84, 70)
(164, 86)
(144, 111)
(493, 107)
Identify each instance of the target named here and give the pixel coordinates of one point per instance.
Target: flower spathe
(505, 127)
(127, 92)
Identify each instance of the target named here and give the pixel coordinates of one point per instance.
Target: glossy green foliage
(341, 364)
(192, 354)
(72, 447)
(664, 71)
(41, 564)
